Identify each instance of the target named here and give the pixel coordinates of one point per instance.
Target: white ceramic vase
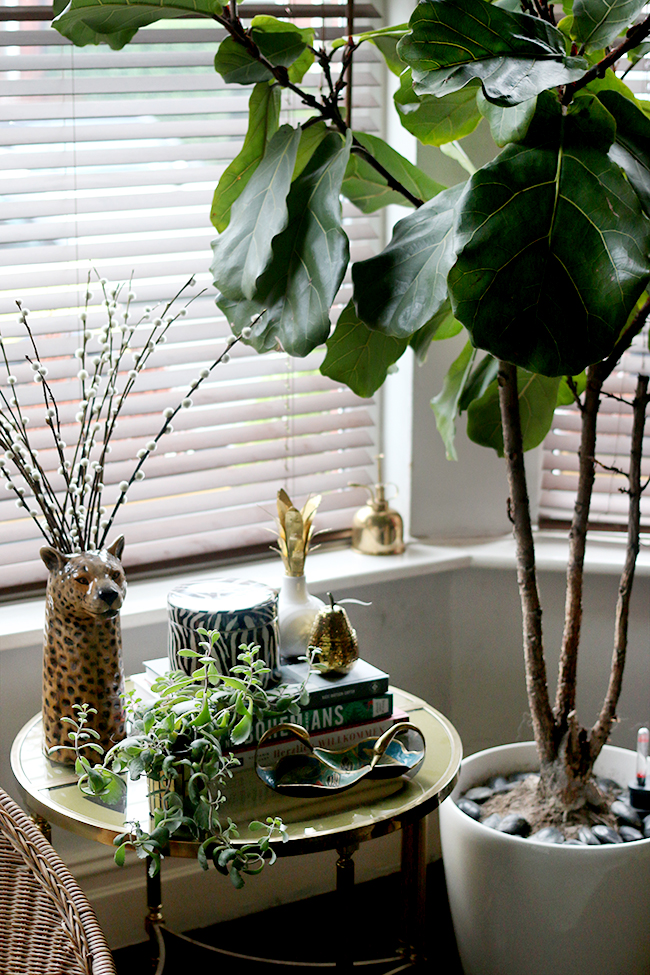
(521, 907)
(297, 609)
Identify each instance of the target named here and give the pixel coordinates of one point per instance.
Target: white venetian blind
(108, 160)
(609, 505)
(560, 452)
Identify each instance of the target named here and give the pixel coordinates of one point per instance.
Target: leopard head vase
(82, 644)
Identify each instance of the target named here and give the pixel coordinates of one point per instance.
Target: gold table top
(368, 809)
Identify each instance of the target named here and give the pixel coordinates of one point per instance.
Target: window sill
(21, 622)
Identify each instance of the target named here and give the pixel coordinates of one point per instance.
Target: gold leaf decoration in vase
(295, 531)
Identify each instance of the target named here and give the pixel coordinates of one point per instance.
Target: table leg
(414, 889)
(345, 904)
(154, 920)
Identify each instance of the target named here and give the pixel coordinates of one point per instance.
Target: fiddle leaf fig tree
(541, 258)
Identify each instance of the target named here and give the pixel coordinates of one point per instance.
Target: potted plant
(74, 504)
(542, 257)
(181, 741)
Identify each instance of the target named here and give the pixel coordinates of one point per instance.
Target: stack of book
(342, 710)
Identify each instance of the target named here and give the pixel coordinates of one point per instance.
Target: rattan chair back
(47, 926)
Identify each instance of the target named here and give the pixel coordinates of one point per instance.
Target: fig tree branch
(603, 726)
(633, 38)
(327, 108)
(542, 716)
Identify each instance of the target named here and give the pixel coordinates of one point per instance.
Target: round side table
(368, 810)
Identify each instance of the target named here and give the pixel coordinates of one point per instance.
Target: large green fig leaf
(310, 139)
(115, 22)
(552, 245)
(537, 400)
(441, 326)
(433, 120)
(237, 66)
(482, 374)
(368, 189)
(284, 43)
(597, 23)
(263, 115)
(453, 42)
(243, 250)
(360, 356)
(309, 260)
(400, 289)
(445, 404)
(631, 149)
(507, 124)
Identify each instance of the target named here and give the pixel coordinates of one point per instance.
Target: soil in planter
(512, 805)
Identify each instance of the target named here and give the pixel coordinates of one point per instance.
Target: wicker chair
(47, 926)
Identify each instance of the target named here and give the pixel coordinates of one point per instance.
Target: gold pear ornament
(332, 632)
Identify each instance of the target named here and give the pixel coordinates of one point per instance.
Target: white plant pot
(521, 907)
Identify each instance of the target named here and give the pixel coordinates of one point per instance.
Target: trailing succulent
(181, 742)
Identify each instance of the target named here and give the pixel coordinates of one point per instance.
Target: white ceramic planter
(522, 907)
(297, 609)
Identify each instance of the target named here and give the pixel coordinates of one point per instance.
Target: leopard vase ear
(54, 560)
(117, 547)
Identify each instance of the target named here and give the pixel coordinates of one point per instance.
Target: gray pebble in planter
(606, 834)
(514, 825)
(548, 835)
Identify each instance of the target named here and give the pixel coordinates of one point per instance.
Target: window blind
(108, 162)
(609, 505)
(560, 450)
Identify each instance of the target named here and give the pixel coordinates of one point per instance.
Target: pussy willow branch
(328, 109)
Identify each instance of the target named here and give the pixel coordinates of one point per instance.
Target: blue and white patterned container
(243, 611)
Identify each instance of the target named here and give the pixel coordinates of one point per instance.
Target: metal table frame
(339, 823)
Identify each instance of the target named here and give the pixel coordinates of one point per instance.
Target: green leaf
(456, 152)
(237, 66)
(360, 356)
(120, 855)
(236, 878)
(280, 42)
(552, 245)
(565, 395)
(400, 289)
(597, 23)
(310, 139)
(263, 115)
(537, 401)
(386, 44)
(271, 25)
(507, 124)
(117, 21)
(441, 326)
(445, 404)
(309, 260)
(478, 381)
(637, 53)
(453, 42)
(243, 251)
(242, 729)
(369, 190)
(436, 120)
(631, 149)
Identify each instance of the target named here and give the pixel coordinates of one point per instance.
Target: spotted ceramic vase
(82, 644)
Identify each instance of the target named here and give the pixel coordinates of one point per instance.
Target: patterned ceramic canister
(242, 611)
